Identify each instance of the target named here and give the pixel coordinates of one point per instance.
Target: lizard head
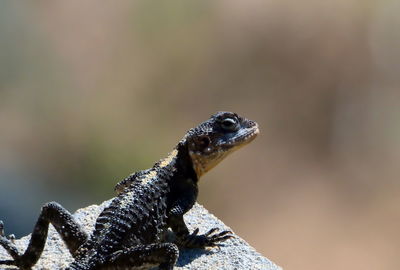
(211, 141)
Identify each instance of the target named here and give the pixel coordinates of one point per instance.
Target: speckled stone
(234, 255)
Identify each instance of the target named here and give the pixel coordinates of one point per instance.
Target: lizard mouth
(202, 163)
(241, 138)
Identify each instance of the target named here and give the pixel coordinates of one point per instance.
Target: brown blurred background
(92, 91)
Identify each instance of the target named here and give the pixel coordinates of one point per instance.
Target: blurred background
(90, 92)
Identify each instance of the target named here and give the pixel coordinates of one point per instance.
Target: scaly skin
(130, 232)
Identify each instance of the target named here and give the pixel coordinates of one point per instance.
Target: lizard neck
(184, 163)
(177, 165)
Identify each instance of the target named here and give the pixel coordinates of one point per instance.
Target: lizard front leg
(192, 240)
(63, 222)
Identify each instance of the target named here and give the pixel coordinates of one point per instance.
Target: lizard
(131, 232)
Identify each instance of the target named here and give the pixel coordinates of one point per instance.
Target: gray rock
(234, 255)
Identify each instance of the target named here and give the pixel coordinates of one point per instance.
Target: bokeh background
(92, 91)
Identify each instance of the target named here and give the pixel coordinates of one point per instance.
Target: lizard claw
(8, 262)
(195, 232)
(212, 238)
(213, 230)
(8, 244)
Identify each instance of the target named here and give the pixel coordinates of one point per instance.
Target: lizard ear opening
(201, 144)
(204, 142)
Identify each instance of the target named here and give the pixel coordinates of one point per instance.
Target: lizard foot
(7, 242)
(212, 238)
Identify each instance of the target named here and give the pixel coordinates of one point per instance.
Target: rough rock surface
(236, 254)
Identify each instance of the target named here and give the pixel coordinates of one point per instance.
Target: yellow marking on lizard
(166, 161)
(148, 177)
(127, 199)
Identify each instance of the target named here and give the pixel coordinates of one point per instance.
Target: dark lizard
(131, 232)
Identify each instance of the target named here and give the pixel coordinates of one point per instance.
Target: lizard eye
(229, 124)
